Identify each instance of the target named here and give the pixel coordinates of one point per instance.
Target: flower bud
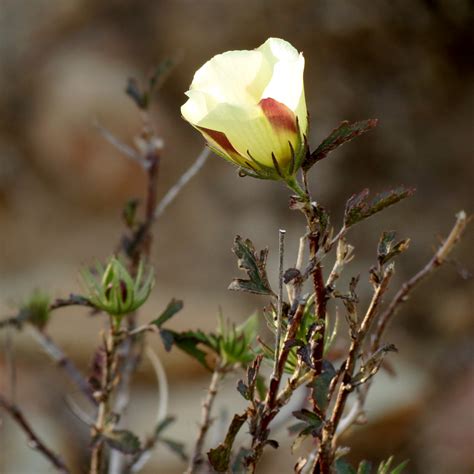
(36, 309)
(250, 107)
(113, 290)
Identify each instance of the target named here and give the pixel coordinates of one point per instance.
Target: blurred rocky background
(64, 66)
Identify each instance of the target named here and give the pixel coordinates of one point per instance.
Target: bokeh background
(64, 65)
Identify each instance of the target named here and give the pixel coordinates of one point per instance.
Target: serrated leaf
(321, 384)
(254, 264)
(243, 389)
(308, 417)
(345, 132)
(372, 365)
(387, 249)
(174, 306)
(122, 440)
(359, 208)
(189, 341)
(220, 457)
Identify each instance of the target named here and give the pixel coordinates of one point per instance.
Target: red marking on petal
(279, 115)
(220, 138)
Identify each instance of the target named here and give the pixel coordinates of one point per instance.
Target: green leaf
(220, 457)
(365, 467)
(159, 74)
(400, 467)
(160, 427)
(308, 417)
(372, 365)
(122, 440)
(129, 212)
(387, 249)
(345, 132)
(384, 467)
(321, 385)
(36, 309)
(174, 306)
(359, 208)
(254, 264)
(188, 342)
(243, 389)
(342, 467)
(235, 342)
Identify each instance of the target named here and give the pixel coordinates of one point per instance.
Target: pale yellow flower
(250, 106)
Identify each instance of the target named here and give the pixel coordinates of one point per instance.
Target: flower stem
(295, 186)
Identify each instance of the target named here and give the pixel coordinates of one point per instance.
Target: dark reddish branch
(35, 440)
(279, 115)
(320, 304)
(272, 404)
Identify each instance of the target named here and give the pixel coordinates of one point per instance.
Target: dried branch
(63, 361)
(436, 261)
(126, 150)
(72, 300)
(279, 328)
(35, 441)
(196, 458)
(107, 376)
(323, 460)
(170, 196)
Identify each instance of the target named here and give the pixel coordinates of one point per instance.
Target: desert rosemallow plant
(250, 106)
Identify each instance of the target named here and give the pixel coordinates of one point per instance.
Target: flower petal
(197, 106)
(221, 144)
(279, 115)
(235, 77)
(286, 85)
(251, 132)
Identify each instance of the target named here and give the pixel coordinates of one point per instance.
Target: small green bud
(235, 342)
(113, 290)
(35, 310)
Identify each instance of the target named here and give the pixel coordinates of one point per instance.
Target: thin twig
(72, 300)
(279, 329)
(170, 196)
(196, 458)
(35, 441)
(107, 375)
(10, 364)
(323, 460)
(437, 260)
(63, 361)
(78, 412)
(126, 150)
